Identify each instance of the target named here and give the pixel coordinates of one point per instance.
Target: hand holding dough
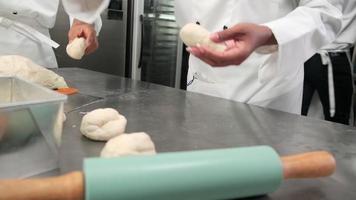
(129, 144)
(76, 49)
(103, 124)
(193, 34)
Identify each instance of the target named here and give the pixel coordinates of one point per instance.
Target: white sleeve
(85, 10)
(313, 24)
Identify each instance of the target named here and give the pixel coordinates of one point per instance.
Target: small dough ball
(76, 49)
(103, 124)
(129, 144)
(193, 34)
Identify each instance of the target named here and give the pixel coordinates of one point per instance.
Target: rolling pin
(209, 174)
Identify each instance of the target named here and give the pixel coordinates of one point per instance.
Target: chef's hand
(241, 41)
(82, 29)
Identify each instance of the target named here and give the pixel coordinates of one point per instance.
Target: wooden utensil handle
(309, 165)
(66, 187)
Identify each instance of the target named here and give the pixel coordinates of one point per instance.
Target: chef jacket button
(197, 22)
(14, 12)
(225, 27)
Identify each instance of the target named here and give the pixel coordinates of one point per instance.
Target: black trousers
(316, 79)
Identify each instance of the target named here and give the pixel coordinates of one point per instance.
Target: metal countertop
(180, 121)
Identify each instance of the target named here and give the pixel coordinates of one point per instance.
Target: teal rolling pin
(208, 174)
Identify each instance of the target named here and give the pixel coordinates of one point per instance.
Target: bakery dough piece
(22, 67)
(129, 144)
(193, 34)
(76, 49)
(103, 124)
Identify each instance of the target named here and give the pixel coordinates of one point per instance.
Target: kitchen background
(139, 39)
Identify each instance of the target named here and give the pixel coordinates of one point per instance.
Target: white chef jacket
(273, 76)
(347, 36)
(25, 24)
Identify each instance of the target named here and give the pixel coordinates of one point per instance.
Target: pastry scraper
(208, 174)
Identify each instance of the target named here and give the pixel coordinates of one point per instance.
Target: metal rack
(353, 60)
(159, 42)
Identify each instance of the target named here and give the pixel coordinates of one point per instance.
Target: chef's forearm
(86, 10)
(97, 25)
(272, 39)
(311, 24)
(299, 35)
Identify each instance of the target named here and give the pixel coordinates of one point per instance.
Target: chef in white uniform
(265, 66)
(25, 24)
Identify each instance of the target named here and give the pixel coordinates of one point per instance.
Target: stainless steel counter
(180, 121)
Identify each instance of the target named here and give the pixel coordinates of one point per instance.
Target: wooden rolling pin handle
(66, 187)
(308, 165)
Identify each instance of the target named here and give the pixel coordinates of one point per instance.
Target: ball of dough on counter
(103, 124)
(22, 67)
(193, 34)
(129, 144)
(76, 49)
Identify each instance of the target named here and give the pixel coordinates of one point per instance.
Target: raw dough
(14, 65)
(193, 34)
(129, 144)
(103, 124)
(76, 49)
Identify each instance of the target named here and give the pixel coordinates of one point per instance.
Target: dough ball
(76, 49)
(129, 144)
(103, 124)
(22, 67)
(193, 34)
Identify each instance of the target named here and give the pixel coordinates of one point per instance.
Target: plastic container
(31, 122)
